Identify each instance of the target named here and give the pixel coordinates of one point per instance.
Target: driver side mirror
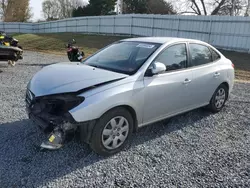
(156, 68)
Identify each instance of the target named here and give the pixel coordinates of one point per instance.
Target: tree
(247, 12)
(134, 6)
(17, 11)
(59, 9)
(101, 7)
(214, 7)
(81, 11)
(95, 8)
(66, 7)
(147, 7)
(160, 7)
(3, 7)
(50, 10)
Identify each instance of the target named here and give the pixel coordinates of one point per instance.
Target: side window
(199, 55)
(174, 57)
(215, 55)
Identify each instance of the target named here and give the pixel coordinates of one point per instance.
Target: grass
(55, 43)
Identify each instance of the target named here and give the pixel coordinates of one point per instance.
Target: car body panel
(69, 77)
(227, 73)
(205, 82)
(94, 106)
(152, 98)
(166, 93)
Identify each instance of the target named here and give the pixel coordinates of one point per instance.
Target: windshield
(122, 57)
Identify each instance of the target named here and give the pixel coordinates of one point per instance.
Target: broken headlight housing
(60, 104)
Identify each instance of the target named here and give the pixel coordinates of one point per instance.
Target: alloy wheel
(115, 132)
(220, 98)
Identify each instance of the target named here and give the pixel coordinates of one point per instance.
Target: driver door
(168, 93)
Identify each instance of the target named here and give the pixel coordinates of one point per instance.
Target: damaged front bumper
(59, 129)
(55, 121)
(47, 122)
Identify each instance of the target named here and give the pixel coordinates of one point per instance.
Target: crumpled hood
(69, 77)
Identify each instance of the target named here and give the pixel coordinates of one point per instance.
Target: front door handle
(217, 74)
(187, 81)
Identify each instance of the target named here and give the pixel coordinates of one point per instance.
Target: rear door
(206, 73)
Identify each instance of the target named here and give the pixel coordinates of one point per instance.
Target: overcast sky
(36, 9)
(36, 6)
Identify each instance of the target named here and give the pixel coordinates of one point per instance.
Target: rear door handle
(217, 74)
(187, 81)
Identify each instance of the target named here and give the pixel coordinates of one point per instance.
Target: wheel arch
(227, 85)
(131, 110)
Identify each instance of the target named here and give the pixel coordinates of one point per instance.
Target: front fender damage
(55, 119)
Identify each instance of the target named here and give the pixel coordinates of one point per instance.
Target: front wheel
(218, 99)
(112, 131)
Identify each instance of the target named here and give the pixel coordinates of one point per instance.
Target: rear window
(215, 55)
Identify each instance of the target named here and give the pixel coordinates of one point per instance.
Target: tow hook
(57, 138)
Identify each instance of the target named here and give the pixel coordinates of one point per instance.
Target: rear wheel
(112, 131)
(219, 98)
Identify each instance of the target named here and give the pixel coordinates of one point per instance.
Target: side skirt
(171, 115)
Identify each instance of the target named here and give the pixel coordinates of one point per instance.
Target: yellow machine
(3, 39)
(9, 49)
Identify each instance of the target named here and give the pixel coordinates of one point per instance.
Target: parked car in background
(125, 86)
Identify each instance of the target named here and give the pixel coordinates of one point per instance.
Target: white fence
(224, 32)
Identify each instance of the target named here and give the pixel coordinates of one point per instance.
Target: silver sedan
(128, 84)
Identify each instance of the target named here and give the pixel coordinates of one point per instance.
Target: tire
(113, 132)
(218, 99)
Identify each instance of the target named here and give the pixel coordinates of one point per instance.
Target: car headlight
(58, 104)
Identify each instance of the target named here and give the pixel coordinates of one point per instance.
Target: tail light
(232, 65)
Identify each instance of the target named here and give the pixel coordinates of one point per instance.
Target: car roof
(160, 40)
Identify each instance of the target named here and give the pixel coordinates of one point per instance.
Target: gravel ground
(197, 149)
